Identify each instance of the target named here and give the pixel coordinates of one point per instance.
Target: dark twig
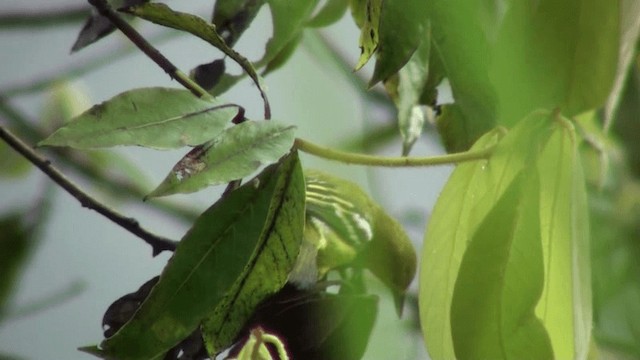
(158, 243)
(107, 11)
(43, 19)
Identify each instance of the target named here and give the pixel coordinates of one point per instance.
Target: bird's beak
(398, 300)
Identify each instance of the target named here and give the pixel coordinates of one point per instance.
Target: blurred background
(81, 262)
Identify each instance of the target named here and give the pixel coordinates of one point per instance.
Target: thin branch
(371, 160)
(43, 19)
(107, 11)
(157, 243)
(78, 162)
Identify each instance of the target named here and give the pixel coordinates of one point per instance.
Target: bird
(346, 229)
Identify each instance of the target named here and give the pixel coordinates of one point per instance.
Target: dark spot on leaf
(372, 34)
(96, 110)
(361, 50)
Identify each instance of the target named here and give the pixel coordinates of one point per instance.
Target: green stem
(371, 160)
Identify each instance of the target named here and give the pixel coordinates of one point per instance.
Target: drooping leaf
(565, 307)
(160, 118)
(500, 281)
(288, 19)
(97, 26)
(270, 264)
(369, 32)
(233, 154)
(162, 14)
(402, 29)
(406, 91)
(332, 11)
(469, 195)
(220, 248)
(233, 17)
(629, 33)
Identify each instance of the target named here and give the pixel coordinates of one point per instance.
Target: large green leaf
(234, 154)
(218, 250)
(565, 306)
(160, 118)
(470, 193)
(269, 268)
(575, 47)
(402, 28)
(500, 281)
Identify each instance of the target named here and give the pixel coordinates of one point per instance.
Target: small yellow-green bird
(345, 228)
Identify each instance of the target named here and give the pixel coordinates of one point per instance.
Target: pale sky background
(80, 246)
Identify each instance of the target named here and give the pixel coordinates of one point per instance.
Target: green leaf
(270, 264)
(575, 44)
(160, 118)
(369, 34)
(332, 11)
(288, 19)
(467, 198)
(500, 281)
(358, 11)
(461, 32)
(162, 14)
(234, 154)
(220, 248)
(565, 306)
(402, 28)
(409, 85)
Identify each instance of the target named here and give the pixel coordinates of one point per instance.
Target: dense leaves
(160, 118)
(222, 248)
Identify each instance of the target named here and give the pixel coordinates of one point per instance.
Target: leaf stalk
(373, 160)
